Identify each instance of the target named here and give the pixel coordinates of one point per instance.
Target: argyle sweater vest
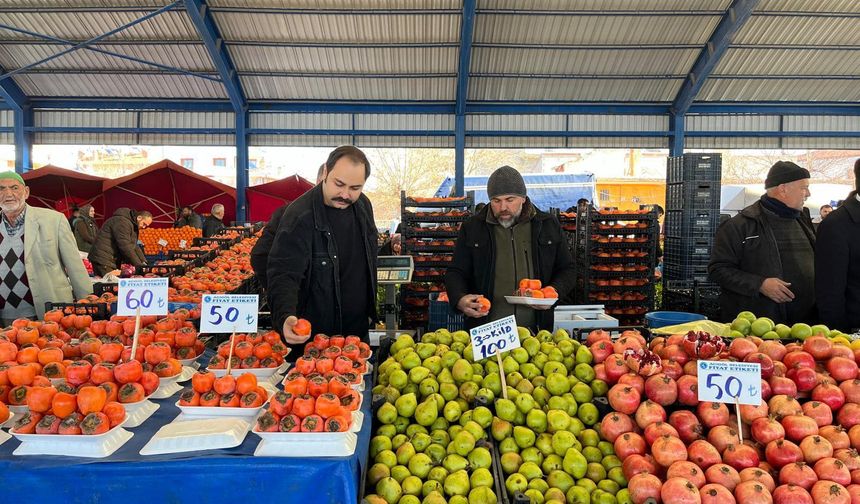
(16, 299)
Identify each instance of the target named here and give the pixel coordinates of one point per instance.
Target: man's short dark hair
(581, 201)
(144, 214)
(352, 153)
(825, 206)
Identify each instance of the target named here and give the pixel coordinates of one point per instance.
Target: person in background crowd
(322, 266)
(824, 211)
(214, 223)
(837, 263)
(260, 252)
(76, 212)
(116, 241)
(764, 257)
(392, 246)
(509, 240)
(85, 228)
(188, 217)
(40, 260)
(479, 207)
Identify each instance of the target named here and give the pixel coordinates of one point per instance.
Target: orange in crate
(172, 236)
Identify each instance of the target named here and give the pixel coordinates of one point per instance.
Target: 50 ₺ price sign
(730, 382)
(148, 294)
(497, 336)
(226, 313)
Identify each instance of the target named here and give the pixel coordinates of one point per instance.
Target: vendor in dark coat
(214, 223)
(116, 241)
(188, 217)
(507, 241)
(764, 257)
(837, 263)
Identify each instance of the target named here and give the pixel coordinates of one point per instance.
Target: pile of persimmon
(340, 354)
(227, 391)
(251, 351)
(530, 287)
(292, 410)
(89, 411)
(150, 237)
(225, 273)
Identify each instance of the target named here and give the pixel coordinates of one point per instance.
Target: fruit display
(228, 391)
(251, 351)
(747, 324)
(430, 441)
(88, 411)
(798, 445)
(151, 236)
(529, 287)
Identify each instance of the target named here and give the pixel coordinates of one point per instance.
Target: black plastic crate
(692, 297)
(100, 288)
(679, 251)
(696, 195)
(692, 273)
(704, 166)
(691, 223)
(98, 311)
(442, 315)
(168, 270)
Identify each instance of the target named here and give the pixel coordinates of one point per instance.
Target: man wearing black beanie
(837, 263)
(764, 257)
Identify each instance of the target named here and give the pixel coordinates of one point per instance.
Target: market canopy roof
(265, 198)
(62, 189)
(545, 191)
(164, 187)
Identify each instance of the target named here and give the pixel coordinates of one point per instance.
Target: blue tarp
(545, 190)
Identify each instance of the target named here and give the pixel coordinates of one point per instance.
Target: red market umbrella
(265, 198)
(62, 189)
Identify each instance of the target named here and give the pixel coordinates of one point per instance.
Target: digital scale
(391, 271)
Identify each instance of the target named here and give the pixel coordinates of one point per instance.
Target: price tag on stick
(730, 382)
(142, 296)
(493, 339)
(228, 313)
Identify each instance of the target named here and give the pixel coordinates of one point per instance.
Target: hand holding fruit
(777, 290)
(296, 330)
(472, 305)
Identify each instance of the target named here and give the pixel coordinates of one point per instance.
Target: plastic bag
(708, 326)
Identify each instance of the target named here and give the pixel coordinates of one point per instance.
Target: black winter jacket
(261, 250)
(837, 266)
(302, 271)
(745, 253)
(116, 243)
(473, 269)
(212, 226)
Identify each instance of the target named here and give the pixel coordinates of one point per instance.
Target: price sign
(730, 382)
(495, 337)
(227, 313)
(183, 244)
(162, 242)
(148, 294)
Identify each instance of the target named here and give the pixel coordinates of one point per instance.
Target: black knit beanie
(506, 180)
(783, 172)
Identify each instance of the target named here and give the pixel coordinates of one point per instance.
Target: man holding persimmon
(508, 241)
(322, 266)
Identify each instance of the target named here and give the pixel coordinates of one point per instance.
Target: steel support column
(242, 167)
(467, 30)
(676, 135)
(23, 139)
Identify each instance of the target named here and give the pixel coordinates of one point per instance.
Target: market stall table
(230, 475)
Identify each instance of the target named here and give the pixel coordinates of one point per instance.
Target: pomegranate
(765, 430)
(818, 411)
(853, 490)
(799, 474)
(782, 405)
(830, 492)
(658, 430)
(851, 389)
(615, 424)
(741, 347)
(837, 436)
(819, 347)
(638, 464)
(832, 469)
(703, 453)
(643, 487)
(750, 413)
(766, 392)
(648, 413)
(675, 353)
(722, 436)
(848, 456)
(688, 471)
(815, 448)
(824, 378)
(713, 414)
(780, 385)
(830, 395)
(756, 474)
(628, 444)
(773, 349)
(672, 369)
(805, 378)
(615, 368)
(791, 494)
(624, 399)
(798, 359)
(765, 362)
(723, 475)
(716, 494)
(680, 491)
(667, 450)
(597, 335)
(688, 390)
(798, 427)
(848, 416)
(752, 492)
(600, 372)
(687, 424)
(842, 351)
(842, 368)
(854, 436)
(633, 380)
(782, 452)
(661, 389)
(779, 368)
(690, 368)
(600, 350)
(741, 456)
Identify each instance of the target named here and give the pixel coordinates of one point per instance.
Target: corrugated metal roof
(745, 122)
(582, 122)
(605, 5)
(423, 142)
(419, 122)
(501, 89)
(515, 142)
(85, 118)
(807, 6)
(299, 140)
(7, 118)
(119, 86)
(789, 62)
(780, 90)
(270, 120)
(821, 123)
(341, 4)
(173, 139)
(163, 119)
(188, 57)
(319, 88)
(732, 143)
(842, 143)
(84, 138)
(171, 25)
(592, 62)
(531, 122)
(155, 4)
(338, 28)
(344, 60)
(550, 30)
(792, 30)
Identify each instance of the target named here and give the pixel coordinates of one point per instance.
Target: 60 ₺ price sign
(147, 294)
(227, 313)
(730, 382)
(497, 336)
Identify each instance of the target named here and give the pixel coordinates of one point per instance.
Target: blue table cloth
(218, 476)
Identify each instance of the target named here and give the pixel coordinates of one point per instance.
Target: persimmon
(252, 400)
(113, 329)
(27, 336)
(203, 381)
(262, 350)
(71, 350)
(115, 413)
(186, 337)
(39, 398)
(290, 423)
(48, 355)
(350, 400)
(128, 372)
(97, 327)
(111, 352)
(243, 350)
(189, 398)
(281, 403)
(296, 386)
(225, 384)
(111, 390)
(210, 398)
(485, 304)
(130, 393)
(302, 327)
(90, 346)
(303, 405)
(338, 423)
(324, 365)
(91, 399)
(337, 340)
(8, 351)
(66, 387)
(328, 405)
(246, 383)
(313, 423)
(549, 292)
(27, 423)
(21, 375)
(102, 372)
(64, 404)
(95, 423)
(54, 370)
(53, 316)
(4, 413)
(157, 352)
(28, 354)
(71, 425)
(39, 380)
(150, 382)
(78, 372)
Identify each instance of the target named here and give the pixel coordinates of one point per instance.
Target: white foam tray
(137, 413)
(530, 301)
(100, 446)
(306, 444)
(196, 435)
(198, 412)
(260, 373)
(9, 421)
(169, 386)
(192, 363)
(18, 410)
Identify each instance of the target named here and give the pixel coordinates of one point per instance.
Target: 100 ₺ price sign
(227, 313)
(497, 336)
(730, 382)
(149, 295)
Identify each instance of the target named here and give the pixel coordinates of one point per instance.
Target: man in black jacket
(507, 241)
(214, 222)
(837, 263)
(116, 241)
(764, 257)
(322, 266)
(189, 217)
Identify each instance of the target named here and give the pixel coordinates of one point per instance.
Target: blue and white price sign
(730, 382)
(226, 313)
(148, 294)
(497, 336)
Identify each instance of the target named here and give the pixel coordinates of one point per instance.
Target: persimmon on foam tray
(51, 411)
(258, 352)
(290, 411)
(227, 395)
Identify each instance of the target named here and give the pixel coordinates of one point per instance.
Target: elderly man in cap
(508, 240)
(40, 259)
(764, 257)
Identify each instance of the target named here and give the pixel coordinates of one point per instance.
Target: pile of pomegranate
(798, 446)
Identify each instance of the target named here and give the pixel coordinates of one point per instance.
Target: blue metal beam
(676, 135)
(737, 14)
(12, 94)
(126, 104)
(242, 166)
(23, 140)
(467, 32)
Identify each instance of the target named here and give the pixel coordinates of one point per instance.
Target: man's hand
(289, 335)
(777, 290)
(470, 306)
